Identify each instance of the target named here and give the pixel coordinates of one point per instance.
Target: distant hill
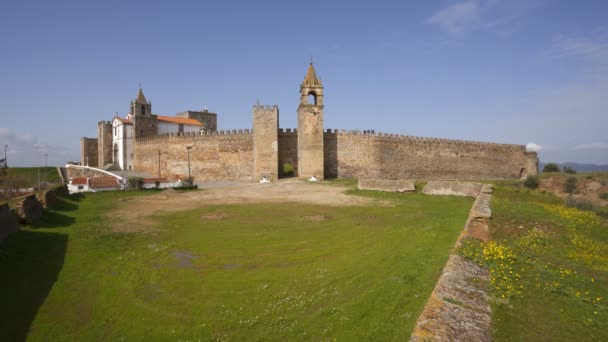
(579, 167)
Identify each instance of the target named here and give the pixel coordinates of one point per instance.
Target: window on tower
(312, 98)
(143, 110)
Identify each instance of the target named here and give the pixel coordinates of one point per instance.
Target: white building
(123, 132)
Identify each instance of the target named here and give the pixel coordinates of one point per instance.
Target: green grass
(30, 174)
(262, 272)
(559, 259)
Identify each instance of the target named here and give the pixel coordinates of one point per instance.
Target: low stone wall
(28, 209)
(401, 185)
(459, 308)
(8, 221)
(446, 188)
(48, 198)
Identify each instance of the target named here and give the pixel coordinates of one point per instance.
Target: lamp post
(5, 160)
(189, 177)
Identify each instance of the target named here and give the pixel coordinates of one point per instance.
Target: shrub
(604, 195)
(135, 182)
(551, 167)
(580, 204)
(570, 184)
(531, 182)
(569, 170)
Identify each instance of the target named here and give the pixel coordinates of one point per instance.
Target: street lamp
(189, 177)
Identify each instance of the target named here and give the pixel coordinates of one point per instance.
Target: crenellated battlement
(420, 140)
(203, 133)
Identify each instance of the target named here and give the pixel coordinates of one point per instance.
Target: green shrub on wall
(551, 167)
(570, 184)
(531, 182)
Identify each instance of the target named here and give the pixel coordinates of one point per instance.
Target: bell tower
(310, 126)
(140, 106)
(144, 122)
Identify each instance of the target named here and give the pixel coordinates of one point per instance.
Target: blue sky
(511, 71)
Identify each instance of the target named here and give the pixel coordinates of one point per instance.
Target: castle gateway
(165, 146)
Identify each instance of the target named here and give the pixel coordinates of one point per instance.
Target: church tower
(140, 106)
(144, 122)
(310, 126)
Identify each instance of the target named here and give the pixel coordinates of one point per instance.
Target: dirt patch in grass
(215, 216)
(134, 211)
(317, 218)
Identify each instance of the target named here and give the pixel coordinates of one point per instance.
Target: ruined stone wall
(8, 221)
(215, 156)
(288, 150)
(104, 143)
(265, 143)
(388, 156)
(89, 151)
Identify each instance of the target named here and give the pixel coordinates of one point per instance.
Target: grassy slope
(262, 272)
(30, 174)
(562, 259)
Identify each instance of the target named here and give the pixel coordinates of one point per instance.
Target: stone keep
(310, 127)
(265, 142)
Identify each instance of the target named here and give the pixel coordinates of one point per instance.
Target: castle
(164, 146)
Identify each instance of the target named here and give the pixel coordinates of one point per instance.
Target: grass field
(233, 272)
(549, 264)
(30, 175)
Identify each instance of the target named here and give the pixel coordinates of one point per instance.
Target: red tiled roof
(124, 121)
(173, 119)
(103, 182)
(154, 180)
(79, 181)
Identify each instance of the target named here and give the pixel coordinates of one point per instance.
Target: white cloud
(472, 15)
(533, 147)
(457, 18)
(26, 150)
(592, 146)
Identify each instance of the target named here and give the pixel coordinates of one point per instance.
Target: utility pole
(158, 163)
(46, 156)
(189, 177)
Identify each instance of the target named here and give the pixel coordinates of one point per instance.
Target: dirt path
(134, 213)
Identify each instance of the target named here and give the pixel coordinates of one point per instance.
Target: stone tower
(144, 123)
(265, 142)
(104, 143)
(310, 126)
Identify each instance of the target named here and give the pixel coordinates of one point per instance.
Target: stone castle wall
(89, 151)
(215, 156)
(390, 156)
(288, 150)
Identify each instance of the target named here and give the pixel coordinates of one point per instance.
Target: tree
(551, 167)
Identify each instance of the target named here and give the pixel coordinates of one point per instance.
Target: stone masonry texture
(265, 141)
(215, 156)
(89, 151)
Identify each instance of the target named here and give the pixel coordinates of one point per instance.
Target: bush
(580, 204)
(135, 182)
(186, 187)
(570, 184)
(531, 182)
(604, 195)
(569, 170)
(551, 167)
